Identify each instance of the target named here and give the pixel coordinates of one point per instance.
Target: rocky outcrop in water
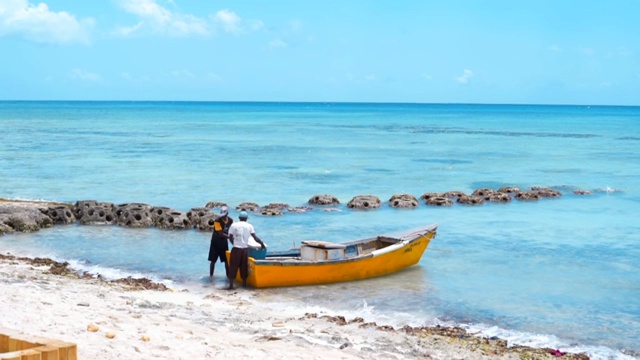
(60, 214)
(364, 202)
(248, 206)
(273, 209)
(438, 201)
(403, 201)
(91, 212)
(28, 216)
(324, 200)
(470, 200)
(201, 218)
(23, 218)
(167, 218)
(134, 215)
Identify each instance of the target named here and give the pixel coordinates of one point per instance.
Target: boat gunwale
(401, 238)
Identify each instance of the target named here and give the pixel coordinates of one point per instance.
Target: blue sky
(516, 52)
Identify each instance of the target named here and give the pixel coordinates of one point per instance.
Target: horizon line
(320, 102)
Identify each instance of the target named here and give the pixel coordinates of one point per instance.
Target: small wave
(545, 341)
(608, 190)
(108, 273)
(397, 320)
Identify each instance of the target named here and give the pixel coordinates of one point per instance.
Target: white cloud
(84, 75)
(464, 78)
(588, 51)
(213, 77)
(555, 48)
(183, 74)
(229, 20)
(161, 20)
(620, 52)
(295, 25)
(371, 77)
(256, 25)
(39, 24)
(278, 44)
(127, 30)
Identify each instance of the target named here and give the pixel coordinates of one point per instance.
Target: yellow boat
(319, 262)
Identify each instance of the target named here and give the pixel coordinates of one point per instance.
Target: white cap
(224, 210)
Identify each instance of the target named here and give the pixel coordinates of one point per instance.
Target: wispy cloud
(183, 74)
(256, 25)
(620, 52)
(84, 75)
(159, 19)
(278, 44)
(213, 77)
(588, 51)
(232, 23)
(127, 30)
(37, 23)
(229, 21)
(555, 48)
(464, 78)
(295, 25)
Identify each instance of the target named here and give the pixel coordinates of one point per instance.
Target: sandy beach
(55, 302)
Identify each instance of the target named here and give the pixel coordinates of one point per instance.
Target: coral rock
(403, 201)
(364, 202)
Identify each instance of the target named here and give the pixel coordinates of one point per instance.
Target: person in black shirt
(219, 243)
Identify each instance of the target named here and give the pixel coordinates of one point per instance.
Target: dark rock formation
(508, 190)
(270, 211)
(215, 204)
(546, 192)
(134, 215)
(429, 195)
(279, 206)
(484, 193)
(324, 200)
(248, 206)
(5, 228)
(273, 209)
(22, 218)
(527, 196)
(403, 201)
(91, 212)
(167, 218)
(205, 223)
(300, 209)
(364, 202)
(61, 214)
(582, 192)
(438, 201)
(500, 197)
(454, 194)
(470, 200)
(201, 218)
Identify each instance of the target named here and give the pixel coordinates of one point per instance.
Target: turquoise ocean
(561, 273)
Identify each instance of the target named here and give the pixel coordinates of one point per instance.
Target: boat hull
(280, 273)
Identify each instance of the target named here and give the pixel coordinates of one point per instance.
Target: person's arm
(258, 240)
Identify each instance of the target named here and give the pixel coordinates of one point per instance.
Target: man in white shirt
(239, 234)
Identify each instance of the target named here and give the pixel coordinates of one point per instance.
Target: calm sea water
(561, 273)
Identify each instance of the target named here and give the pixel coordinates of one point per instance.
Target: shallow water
(555, 272)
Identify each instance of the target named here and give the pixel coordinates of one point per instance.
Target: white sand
(213, 323)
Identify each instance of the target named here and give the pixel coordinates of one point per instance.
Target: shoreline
(40, 299)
